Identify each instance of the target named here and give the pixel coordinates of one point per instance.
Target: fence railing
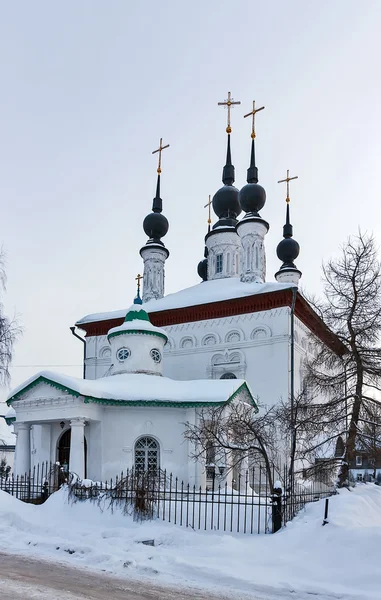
(252, 504)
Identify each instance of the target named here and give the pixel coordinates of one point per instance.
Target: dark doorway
(63, 451)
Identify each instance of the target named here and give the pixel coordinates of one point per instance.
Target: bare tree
(9, 330)
(235, 431)
(369, 433)
(316, 426)
(351, 308)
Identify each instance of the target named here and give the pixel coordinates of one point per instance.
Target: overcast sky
(87, 89)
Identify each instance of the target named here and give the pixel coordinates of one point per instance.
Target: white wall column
(22, 458)
(252, 232)
(154, 257)
(77, 447)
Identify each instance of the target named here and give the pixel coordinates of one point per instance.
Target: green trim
(166, 403)
(10, 420)
(42, 379)
(134, 315)
(124, 331)
(111, 402)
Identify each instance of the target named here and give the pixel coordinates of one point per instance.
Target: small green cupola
(137, 345)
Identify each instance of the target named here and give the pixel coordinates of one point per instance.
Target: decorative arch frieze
(188, 341)
(211, 339)
(261, 332)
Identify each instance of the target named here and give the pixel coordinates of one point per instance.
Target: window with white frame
(219, 263)
(358, 461)
(147, 456)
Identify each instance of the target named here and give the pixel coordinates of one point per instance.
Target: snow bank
(340, 560)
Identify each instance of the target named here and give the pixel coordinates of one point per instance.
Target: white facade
(154, 257)
(254, 347)
(253, 255)
(224, 250)
(103, 438)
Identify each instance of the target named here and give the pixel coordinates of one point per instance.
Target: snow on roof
(140, 388)
(137, 319)
(202, 293)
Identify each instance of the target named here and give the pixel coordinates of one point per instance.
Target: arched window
(147, 455)
(228, 375)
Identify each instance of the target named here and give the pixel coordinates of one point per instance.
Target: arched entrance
(63, 450)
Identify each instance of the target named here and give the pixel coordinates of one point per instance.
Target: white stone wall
(122, 427)
(228, 244)
(154, 257)
(254, 347)
(253, 255)
(140, 359)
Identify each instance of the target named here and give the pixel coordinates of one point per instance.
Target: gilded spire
(229, 103)
(228, 174)
(208, 206)
(287, 228)
(157, 205)
(252, 171)
(287, 181)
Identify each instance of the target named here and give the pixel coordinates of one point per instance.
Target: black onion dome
(288, 249)
(202, 269)
(155, 224)
(252, 197)
(225, 201)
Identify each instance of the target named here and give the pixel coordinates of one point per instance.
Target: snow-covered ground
(340, 560)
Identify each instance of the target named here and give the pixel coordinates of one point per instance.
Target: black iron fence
(36, 485)
(255, 502)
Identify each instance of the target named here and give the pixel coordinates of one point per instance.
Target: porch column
(77, 447)
(22, 457)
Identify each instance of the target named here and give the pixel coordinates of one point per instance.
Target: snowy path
(22, 578)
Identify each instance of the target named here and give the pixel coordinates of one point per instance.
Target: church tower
(154, 253)
(252, 228)
(288, 249)
(136, 345)
(222, 242)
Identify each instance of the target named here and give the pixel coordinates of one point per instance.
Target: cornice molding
(231, 308)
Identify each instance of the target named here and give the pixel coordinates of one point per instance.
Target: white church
(234, 337)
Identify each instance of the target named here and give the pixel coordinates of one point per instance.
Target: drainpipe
(72, 329)
(292, 383)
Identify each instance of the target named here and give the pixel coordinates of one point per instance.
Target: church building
(238, 335)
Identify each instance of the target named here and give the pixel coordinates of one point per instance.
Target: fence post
(325, 520)
(276, 498)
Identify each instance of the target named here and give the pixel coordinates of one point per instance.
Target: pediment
(42, 390)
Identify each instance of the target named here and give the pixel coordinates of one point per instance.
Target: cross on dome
(229, 103)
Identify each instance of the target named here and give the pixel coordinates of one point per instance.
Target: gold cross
(287, 180)
(138, 278)
(228, 103)
(253, 113)
(159, 150)
(208, 205)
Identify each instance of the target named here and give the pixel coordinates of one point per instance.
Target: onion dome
(288, 249)
(252, 197)
(225, 201)
(155, 224)
(202, 268)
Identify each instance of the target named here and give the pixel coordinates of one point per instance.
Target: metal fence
(35, 486)
(253, 504)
